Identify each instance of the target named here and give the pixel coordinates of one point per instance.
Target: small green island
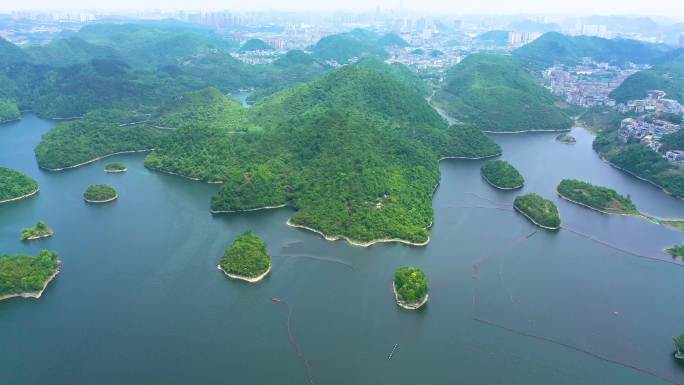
(598, 198)
(100, 193)
(27, 276)
(8, 111)
(567, 139)
(115, 167)
(677, 251)
(246, 259)
(679, 347)
(40, 230)
(502, 175)
(410, 288)
(542, 212)
(15, 185)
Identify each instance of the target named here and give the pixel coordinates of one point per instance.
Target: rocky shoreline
(243, 278)
(409, 306)
(94, 160)
(358, 243)
(22, 197)
(34, 294)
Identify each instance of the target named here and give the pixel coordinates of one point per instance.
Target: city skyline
(666, 9)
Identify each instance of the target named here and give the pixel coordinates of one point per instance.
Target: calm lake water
(140, 301)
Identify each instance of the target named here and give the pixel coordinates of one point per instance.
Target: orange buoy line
(317, 258)
(293, 341)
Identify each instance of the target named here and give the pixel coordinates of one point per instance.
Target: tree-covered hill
(8, 111)
(14, 184)
(10, 54)
(554, 47)
(496, 93)
(344, 47)
(496, 37)
(207, 107)
(98, 134)
(255, 45)
(355, 152)
(69, 51)
(668, 77)
(392, 40)
(399, 71)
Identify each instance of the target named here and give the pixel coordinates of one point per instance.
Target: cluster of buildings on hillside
(649, 132)
(588, 84)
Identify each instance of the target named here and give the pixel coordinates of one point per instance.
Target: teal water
(140, 301)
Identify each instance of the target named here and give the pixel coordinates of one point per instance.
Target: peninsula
(598, 198)
(100, 193)
(542, 212)
(502, 175)
(27, 276)
(410, 288)
(40, 230)
(246, 259)
(15, 185)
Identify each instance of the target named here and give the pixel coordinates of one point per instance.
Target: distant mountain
(668, 77)
(493, 37)
(69, 51)
(554, 47)
(496, 93)
(295, 57)
(354, 152)
(392, 40)
(345, 46)
(255, 45)
(10, 53)
(532, 26)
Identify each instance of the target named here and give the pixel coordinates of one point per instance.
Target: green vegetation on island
(496, 93)
(8, 111)
(502, 175)
(554, 47)
(565, 138)
(596, 197)
(99, 193)
(26, 276)
(675, 223)
(540, 211)
(355, 152)
(115, 167)
(40, 230)
(15, 185)
(677, 251)
(247, 258)
(98, 134)
(679, 347)
(410, 287)
(640, 161)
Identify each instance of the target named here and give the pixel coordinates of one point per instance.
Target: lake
(140, 301)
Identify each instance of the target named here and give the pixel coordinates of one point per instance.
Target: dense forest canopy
(410, 284)
(26, 274)
(40, 230)
(502, 174)
(14, 184)
(541, 211)
(553, 47)
(99, 133)
(8, 111)
(247, 257)
(597, 197)
(355, 152)
(99, 193)
(668, 77)
(496, 93)
(345, 46)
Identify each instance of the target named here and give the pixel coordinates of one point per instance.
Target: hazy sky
(671, 8)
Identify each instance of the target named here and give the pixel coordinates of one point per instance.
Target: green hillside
(392, 40)
(496, 93)
(345, 46)
(69, 51)
(668, 77)
(495, 37)
(355, 152)
(255, 45)
(207, 107)
(8, 111)
(554, 47)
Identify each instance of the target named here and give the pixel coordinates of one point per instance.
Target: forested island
(599, 198)
(497, 93)
(8, 111)
(677, 251)
(15, 185)
(247, 259)
(40, 230)
(410, 288)
(542, 212)
(27, 276)
(97, 135)
(565, 138)
(116, 167)
(679, 347)
(362, 168)
(502, 175)
(100, 193)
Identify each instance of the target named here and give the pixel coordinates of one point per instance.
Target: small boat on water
(275, 299)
